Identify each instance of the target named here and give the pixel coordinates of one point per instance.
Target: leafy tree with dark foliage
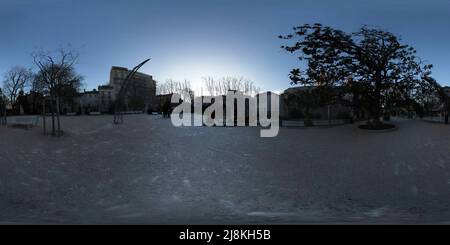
(370, 64)
(304, 100)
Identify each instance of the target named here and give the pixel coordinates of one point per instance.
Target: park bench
(94, 113)
(24, 121)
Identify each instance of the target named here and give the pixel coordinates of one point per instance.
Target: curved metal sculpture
(119, 105)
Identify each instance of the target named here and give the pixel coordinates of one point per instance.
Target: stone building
(141, 90)
(140, 94)
(447, 91)
(444, 107)
(88, 101)
(107, 96)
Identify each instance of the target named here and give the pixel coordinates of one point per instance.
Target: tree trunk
(43, 117)
(376, 116)
(53, 115)
(376, 107)
(329, 114)
(447, 112)
(13, 104)
(57, 115)
(307, 121)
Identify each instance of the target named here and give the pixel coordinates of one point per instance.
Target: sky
(189, 39)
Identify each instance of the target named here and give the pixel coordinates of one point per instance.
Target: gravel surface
(148, 172)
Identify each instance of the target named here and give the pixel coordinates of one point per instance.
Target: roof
(119, 68)
(447, 90)
(89, 92)
(105, 87)
(300, 88)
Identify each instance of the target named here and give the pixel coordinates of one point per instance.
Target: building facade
(87, 102)
(140, 92)
(139, 95)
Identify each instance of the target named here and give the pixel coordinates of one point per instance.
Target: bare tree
(210, 84)
(186, 89)
(16, 80)
(171, 86)
(56, 72)
(222, 85)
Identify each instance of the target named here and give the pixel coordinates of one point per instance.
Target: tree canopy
(371, 64)
(56, 72)
(15, 81)
(58, 78)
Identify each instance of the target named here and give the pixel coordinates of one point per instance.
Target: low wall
(301, 123)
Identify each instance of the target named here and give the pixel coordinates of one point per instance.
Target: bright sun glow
(194, 69)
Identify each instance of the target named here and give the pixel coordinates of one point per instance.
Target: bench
(94, 113)
(27, 121)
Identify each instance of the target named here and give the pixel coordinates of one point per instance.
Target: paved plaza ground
(148, 172)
